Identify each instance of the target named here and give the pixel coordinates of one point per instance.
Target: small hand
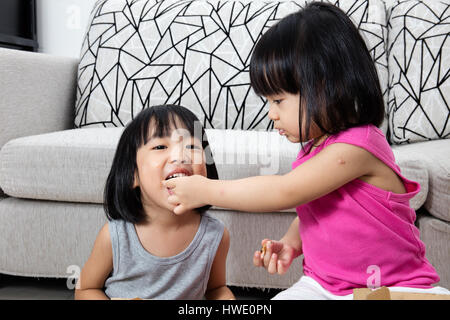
(186, 192)
(276, 258)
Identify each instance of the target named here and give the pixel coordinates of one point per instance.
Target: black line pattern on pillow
(139, 53)
(419, 71)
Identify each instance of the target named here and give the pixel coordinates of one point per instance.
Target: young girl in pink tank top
(354, 225)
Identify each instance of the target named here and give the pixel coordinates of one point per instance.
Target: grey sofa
(57, 142)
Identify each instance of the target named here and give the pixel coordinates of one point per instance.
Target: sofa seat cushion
(70, 165)
(435, 157)
(73, 165)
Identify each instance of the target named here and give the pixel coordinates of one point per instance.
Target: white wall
(61, 25)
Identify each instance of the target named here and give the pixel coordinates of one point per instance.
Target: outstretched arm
(333, 167)
(261, 193)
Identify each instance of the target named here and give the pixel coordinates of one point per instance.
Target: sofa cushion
(195, 53)
(69, 165)
(419, 82)
(434, 156)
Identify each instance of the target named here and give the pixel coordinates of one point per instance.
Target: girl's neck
(166, 219)
(165, 234)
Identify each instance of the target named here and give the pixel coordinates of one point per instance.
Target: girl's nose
(180, 161)
(178, 155)
(273, 115)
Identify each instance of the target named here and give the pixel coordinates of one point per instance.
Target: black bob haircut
(318, 53)
(121, 200)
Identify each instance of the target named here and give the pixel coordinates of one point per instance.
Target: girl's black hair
(318, 53)
(121, 200)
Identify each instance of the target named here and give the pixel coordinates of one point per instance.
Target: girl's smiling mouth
(179, 172)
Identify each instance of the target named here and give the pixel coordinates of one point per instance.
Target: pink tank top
(360, 234)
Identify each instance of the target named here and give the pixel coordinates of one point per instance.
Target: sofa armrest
(37, 93)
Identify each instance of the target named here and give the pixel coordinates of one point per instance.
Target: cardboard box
(383, 293)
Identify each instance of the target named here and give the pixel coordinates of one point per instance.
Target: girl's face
(284, 112)
(160, 159)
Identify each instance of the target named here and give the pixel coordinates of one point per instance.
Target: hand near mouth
(186, 193)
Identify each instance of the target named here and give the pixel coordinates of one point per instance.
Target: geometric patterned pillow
(138, 53)
(419, 71)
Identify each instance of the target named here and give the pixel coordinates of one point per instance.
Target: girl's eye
(159, 147)
(277, 101)
(193, 147)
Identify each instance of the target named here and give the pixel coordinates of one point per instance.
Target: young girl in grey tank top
(145, 250)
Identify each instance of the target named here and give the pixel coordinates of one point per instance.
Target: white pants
(309, 289)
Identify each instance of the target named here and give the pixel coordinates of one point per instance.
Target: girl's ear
(136, 180)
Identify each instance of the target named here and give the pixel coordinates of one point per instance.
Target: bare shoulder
(104, 237)
(102, 246)
(370, 168)
(331, 168)
(349, 159)
(346, 152)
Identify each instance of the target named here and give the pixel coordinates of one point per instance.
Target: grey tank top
(139, 274)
